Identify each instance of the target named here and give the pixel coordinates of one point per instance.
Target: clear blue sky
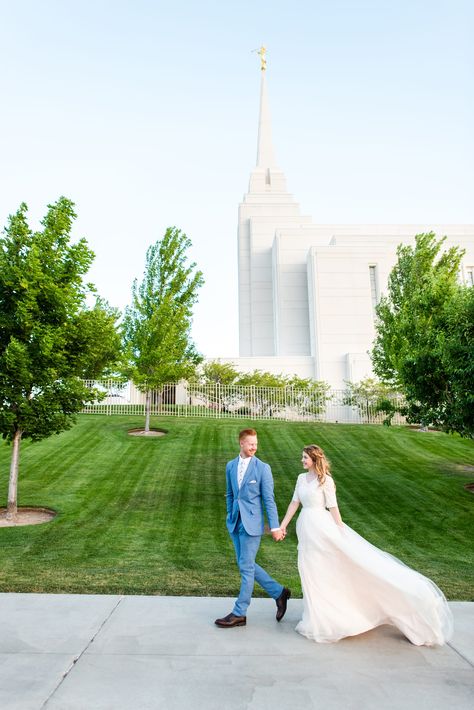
(145, 115)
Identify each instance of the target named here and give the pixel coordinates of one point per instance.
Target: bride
(350, 586)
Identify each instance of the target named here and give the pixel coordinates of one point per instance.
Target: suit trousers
(246, 548)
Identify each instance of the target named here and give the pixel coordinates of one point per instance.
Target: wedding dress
(350, 586)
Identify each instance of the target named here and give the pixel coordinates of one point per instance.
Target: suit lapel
(235, 484)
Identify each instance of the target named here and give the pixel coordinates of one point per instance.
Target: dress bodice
(314, 495)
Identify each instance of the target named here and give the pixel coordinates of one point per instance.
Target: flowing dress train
(351, 586)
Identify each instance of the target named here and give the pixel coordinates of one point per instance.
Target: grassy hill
(147, 516)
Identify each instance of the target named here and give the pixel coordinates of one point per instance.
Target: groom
(249, 483)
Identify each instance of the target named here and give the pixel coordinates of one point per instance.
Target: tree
(424, 343)
(49, 338)
(261, 378)
(219, 373)
(276, 392)
(223, 387)
(213, 384)
(157, 325)
(370, 397)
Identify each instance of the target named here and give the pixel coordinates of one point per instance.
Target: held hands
(279, 534)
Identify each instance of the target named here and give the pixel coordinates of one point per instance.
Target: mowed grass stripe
(147, 516)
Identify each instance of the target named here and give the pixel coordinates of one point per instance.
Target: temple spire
(265, 178)
(265, 153)
(262, 53)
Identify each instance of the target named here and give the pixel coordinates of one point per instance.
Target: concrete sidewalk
(84, 652)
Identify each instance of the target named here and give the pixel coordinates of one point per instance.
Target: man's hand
(278, 534)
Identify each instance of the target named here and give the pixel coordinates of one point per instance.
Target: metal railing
(244, 402)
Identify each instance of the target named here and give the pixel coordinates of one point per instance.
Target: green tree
(276, 392)
(213, 384)
(49, 338)
(309, 396)
(220, 386)
(424, 343)
(221, 373)
(157, 325)
(371, 396)
(260, 378)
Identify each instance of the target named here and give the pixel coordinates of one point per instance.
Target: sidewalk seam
(77, 658)
(464, 658)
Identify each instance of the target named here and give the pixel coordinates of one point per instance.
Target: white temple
(307, 292)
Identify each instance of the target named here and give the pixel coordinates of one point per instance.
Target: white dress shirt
(242, 468)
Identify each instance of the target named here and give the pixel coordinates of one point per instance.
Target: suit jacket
(256, 488)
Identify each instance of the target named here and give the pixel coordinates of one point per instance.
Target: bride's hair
(321, 464)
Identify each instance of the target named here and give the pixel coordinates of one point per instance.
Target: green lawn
(147, 516)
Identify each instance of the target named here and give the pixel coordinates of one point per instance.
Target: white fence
(237, 402)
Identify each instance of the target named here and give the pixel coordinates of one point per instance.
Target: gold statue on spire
(261, 53)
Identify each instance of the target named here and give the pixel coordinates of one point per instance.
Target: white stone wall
(258, 221)
(310, 295)
(340, 300)
(341, 308)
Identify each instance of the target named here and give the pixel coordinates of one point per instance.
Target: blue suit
(245, 524)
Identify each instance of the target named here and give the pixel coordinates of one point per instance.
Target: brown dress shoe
(231, 620)
(282, 602)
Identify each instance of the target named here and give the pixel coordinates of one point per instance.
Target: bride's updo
(321, 464)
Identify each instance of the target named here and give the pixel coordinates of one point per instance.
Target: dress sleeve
(295, 498)
(330, 493)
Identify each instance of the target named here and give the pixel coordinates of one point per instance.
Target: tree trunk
(147, 411)
(12, 508)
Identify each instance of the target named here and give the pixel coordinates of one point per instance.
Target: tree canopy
(370, 397)
(225, 373)
(157, 325)
(222, 386)
(49, 338)
(424, 343)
